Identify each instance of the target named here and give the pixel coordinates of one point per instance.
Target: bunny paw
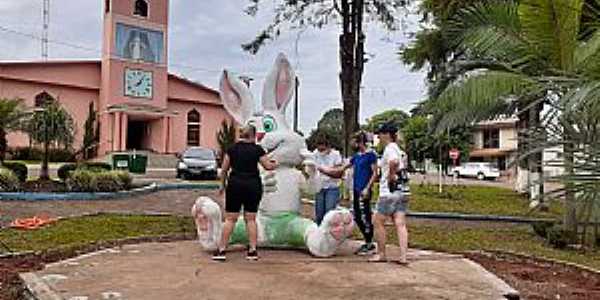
(207, 216)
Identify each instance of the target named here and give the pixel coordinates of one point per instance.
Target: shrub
(87, 180)
(8, 181)
(542, 228)
(108, 182)
(125, 178)
(560, 238)
(19, 170)
(82, 181)
(64, 172)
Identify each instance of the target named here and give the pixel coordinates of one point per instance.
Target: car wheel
(480, 176)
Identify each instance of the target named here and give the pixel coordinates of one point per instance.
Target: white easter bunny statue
(279, 221)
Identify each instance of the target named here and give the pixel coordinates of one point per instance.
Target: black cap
(386, 128)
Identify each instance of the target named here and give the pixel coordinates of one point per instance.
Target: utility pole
(46, 20)
(296, 105)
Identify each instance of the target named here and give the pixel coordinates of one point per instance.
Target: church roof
(54, 72)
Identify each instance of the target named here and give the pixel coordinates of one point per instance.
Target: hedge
(19, 169)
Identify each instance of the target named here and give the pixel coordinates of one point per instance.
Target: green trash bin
(138, 163)
(121, 162)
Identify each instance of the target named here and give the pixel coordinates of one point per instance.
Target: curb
(104, 196)
(465, 217)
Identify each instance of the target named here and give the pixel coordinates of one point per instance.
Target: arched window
(141, 8)
(193, 128)
(42, 99)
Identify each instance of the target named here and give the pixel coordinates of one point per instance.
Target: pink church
(140, 104)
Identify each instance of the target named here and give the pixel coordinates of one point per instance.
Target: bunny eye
(269, 124)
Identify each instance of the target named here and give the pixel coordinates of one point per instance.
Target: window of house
(193, 128)
(106, 6)
(42, 99)
(141, 8)
(491, 138)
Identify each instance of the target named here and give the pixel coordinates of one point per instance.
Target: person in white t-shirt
(326, 159)
(393, 195)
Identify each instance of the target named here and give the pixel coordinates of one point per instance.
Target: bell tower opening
(141, 8)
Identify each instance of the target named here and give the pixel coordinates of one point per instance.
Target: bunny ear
(236, 97)
(280, 85)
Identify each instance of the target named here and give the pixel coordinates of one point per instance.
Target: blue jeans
(326, 200)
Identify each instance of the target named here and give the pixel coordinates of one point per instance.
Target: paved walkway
(181, 271)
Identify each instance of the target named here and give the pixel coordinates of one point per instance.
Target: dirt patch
(537, 279)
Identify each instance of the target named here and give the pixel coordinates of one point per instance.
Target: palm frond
(587, 56)
(490, 30)
(552, 26)
(479, 97)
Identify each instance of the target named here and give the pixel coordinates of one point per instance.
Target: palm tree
(51, 124)
(519, 56)
(11, 116)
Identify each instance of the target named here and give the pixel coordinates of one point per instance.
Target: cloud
(205, 37)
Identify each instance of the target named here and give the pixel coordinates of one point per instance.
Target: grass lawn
(85, 230)
(517, 239)
(81, 231)
(475, 200)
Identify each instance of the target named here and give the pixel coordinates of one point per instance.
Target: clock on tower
(138, 83)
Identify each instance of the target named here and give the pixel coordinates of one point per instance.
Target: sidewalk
(181, 271)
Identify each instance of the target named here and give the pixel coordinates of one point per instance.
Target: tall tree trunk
(3, 145)
(346, 74)
(570, 217)
(352, 62)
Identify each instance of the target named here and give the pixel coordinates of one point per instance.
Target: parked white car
(479, 170)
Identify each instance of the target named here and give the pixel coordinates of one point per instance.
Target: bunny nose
(260, 136)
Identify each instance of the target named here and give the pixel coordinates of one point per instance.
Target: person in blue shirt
(364, 164)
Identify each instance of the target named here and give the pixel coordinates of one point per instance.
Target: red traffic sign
(454, 154)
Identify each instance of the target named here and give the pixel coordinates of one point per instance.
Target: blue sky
(205, 37)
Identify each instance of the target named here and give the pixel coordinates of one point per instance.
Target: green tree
(349, 15)
(417, 140)
(394, 116)
(331, 127)
(91, 138)
(526, 54)
(11, 117)
(51, 124)
(226, 136)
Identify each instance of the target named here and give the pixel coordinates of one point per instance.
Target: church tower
(134, 72)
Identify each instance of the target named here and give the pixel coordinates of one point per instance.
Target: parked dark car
(197, 162)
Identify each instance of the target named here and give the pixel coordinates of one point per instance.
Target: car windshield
(199, 153)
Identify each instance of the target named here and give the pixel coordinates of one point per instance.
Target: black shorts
(243, 191)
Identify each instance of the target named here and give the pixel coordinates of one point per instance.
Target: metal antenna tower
(46, 17)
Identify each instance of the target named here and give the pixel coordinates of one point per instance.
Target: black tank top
(244, 158)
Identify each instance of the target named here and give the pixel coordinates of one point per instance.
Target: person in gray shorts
(393, 194)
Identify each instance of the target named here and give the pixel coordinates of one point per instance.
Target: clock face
(138, 83)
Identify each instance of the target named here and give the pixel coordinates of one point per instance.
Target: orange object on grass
(34, 222)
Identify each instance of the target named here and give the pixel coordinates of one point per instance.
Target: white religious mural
(139, 44)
